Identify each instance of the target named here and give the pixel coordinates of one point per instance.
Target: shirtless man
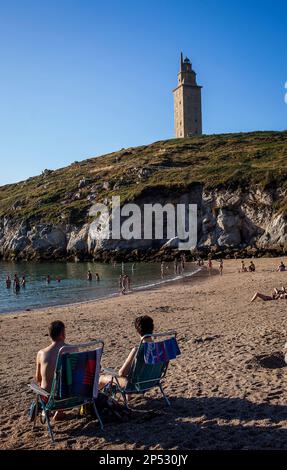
(144, 326)
(46, 359)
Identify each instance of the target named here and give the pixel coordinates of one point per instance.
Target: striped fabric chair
(75, 381)
(149, 366)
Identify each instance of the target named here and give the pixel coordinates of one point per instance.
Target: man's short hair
(55, 329)
(144, 325)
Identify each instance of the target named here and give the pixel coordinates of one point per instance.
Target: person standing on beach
(162, 269)
(89, 276)
(124, 285)
(8, 281)
(183, 261)
(120, 283)
(221, 267)
(209, 265)
(176, 266)
(16, 283)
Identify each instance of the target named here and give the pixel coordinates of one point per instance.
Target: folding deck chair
(75, 382)
(148, 369)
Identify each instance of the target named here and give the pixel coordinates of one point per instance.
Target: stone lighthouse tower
(187, 102)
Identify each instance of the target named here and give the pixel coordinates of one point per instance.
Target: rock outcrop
(241, 203)
(227, 221)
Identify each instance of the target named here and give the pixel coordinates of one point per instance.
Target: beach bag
(107, 408)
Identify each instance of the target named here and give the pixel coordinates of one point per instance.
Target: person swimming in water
(16, 283)
(8, 281)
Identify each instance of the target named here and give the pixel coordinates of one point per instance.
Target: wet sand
(227, 389)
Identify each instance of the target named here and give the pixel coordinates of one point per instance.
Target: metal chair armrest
(39, 390)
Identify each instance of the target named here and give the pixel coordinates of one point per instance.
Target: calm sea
(73, 286)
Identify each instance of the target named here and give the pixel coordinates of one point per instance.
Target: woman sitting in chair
(144, 326)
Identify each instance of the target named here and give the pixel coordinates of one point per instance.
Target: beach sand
(228, 389)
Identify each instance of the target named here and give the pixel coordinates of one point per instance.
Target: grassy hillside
(227, 160)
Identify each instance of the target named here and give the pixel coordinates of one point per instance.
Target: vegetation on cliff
(215, 161)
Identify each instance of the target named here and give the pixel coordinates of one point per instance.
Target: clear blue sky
(83, 78)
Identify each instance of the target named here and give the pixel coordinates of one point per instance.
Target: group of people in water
(17, 283)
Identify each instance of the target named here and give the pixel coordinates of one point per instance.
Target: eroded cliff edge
(238, 181)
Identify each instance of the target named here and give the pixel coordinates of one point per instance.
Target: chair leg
(164, 395)
(36, 412)
(126, 400)
(49, 427)
(48, 421)
(98, 416)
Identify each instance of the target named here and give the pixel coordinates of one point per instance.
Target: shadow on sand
(194, 423)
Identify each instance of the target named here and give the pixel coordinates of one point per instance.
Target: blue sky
(83, 78)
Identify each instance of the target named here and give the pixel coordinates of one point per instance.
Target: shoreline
(153, 286)
(227, 388)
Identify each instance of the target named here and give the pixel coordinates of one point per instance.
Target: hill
(244, 162)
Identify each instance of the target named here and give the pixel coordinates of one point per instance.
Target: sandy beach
(228, 389)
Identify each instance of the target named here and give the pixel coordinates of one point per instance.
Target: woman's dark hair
(55, 329)
(144, 325)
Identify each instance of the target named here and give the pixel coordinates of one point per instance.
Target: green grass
(216, 161)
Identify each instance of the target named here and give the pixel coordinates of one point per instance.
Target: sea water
(74, 286)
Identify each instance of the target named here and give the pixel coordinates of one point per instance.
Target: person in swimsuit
(275, 295)
(16, 283)
(8, 281)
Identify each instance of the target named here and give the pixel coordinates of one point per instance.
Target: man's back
(46, 362)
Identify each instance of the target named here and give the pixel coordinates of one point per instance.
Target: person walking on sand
(89, 276)
(162, 269)
(176, 266)
(209, 265)
(221, 267)
(120, 283)
(124, 284)
(8, 281)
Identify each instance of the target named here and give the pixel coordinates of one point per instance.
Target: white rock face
(226, 219)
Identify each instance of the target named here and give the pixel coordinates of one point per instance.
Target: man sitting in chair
(47, 357)
(144, 326)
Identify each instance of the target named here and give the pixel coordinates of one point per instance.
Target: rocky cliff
(238, 181)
